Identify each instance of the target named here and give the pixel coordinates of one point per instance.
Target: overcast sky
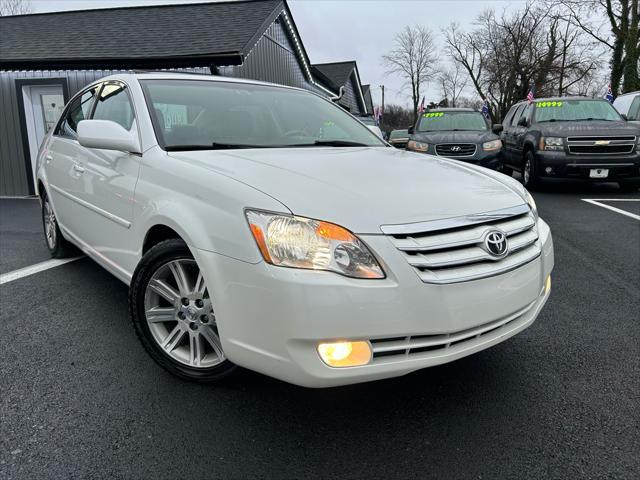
(361, 30)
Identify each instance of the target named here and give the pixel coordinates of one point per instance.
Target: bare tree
(453, 81)
(614, 24)
(15, 7)
(413, 58)
(508, 54)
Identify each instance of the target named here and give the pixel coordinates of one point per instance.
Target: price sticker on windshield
(548, 104)
(433, 114)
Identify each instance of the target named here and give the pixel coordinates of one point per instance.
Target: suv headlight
(298, 242)
(551, 143)
(492, 146)
(532, 204)
(417, 146)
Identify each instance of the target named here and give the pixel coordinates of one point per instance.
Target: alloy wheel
(180, 316)
(50, 225)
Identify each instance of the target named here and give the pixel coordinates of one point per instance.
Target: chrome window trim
(454, 222)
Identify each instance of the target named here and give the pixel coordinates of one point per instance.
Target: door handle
(78, 168)
(48, 158)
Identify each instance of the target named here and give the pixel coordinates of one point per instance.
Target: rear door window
(114, 104)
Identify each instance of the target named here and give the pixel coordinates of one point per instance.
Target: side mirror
(410, 130)
(523, 122)
(497, 128)
(626, 119)
(107, 135)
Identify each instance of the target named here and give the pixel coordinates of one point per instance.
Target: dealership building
(46, 58)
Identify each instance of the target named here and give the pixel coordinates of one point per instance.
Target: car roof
(143, 75)
(452, 109)
(637, 92)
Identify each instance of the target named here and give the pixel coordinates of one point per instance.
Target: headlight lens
(492, 146)
(417, 146)
(532, 204)
(551, 143)
(298, 242)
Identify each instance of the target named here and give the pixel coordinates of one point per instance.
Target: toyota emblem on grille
(495, 242)
(456, 148)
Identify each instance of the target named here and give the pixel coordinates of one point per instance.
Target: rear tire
(529, 171)
(631, 186)
(58, 246)
(173, 315)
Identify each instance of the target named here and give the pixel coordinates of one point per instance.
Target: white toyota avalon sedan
(263, 226)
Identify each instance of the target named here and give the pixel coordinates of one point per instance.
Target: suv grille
(601, 145)
(456, 149)
(451, 254)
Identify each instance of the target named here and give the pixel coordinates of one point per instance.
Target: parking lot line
(596, 201)
(36, 268)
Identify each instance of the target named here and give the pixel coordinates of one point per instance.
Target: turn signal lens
(547, 285)
(345, 354)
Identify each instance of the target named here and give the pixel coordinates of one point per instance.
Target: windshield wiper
(212, 146)
(329, 143)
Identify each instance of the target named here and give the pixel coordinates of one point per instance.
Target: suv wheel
(529, 173)
(58, 246)
(173, 314)
(629, 186)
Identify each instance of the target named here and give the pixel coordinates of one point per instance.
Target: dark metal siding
(14, 177)
(351, 98)
(274, 59)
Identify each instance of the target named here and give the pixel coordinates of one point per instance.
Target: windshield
(451, 121)
(574, 110)
(200, 114)
(399, 134)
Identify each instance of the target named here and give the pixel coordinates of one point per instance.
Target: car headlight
(417, 146)
(551, 143)
(492, 146)
(532, 204)
(298, 242)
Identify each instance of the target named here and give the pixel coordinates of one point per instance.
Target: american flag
(421, 109)
(485, 109)
(609, 95)
(530, 96)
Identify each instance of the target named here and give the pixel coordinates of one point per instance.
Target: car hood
(565, 129)
(455, 137)
(361, 188)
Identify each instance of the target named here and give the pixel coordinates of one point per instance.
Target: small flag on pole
(421, 109)
(530, 96)
(609, 95)
(485, 109)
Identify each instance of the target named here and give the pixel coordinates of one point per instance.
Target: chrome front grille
(601, 145)
(394, 347)
(454, 250)
(456, 149)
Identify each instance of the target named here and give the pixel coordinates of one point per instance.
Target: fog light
(548, 170)
(547, 285)
(345, 354)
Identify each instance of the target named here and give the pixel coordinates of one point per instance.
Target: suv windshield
(201, 114)
(452, 121)
(574, 110)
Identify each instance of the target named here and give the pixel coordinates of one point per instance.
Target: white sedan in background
(262, 226)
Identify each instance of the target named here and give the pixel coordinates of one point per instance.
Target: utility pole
(382, 107)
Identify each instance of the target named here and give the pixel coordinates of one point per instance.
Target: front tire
(173, 315)
(58, 246)
(529, 171)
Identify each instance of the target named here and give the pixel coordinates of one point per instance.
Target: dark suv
(571, 138)
(458, 133)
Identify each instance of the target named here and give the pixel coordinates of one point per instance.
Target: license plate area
(599, 173)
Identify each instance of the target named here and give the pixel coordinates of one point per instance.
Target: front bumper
(578, 167)
(271, 319)
(492, 160)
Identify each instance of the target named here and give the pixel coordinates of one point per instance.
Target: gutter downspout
(338, 97)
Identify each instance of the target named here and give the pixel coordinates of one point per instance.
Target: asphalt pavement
(79, 397)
